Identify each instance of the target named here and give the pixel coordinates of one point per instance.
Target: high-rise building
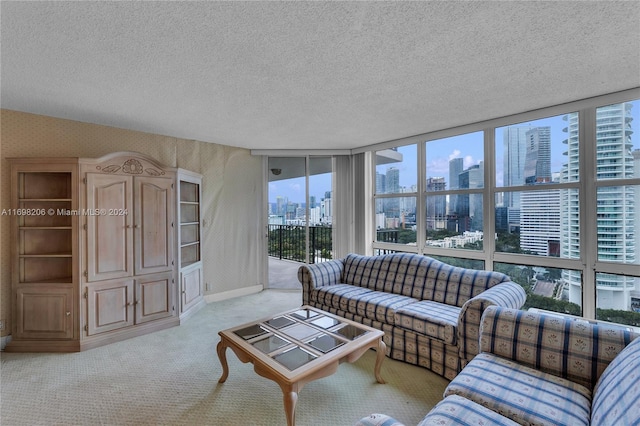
(381, 183)
(393, 180)
(327, 208)
(616, 207)
(502, 225)
(281, 205)
(540, 222)
(470, 205)
(436, 204)
(539, 210)
(392, 205)
(537, 165)
(514, 157)
(456, 166)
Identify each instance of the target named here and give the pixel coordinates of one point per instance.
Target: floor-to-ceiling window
(454, 198)
(550, 197)
(320, 209)
(396, 190)
(537, 214)
(616, 224)
(300, 208)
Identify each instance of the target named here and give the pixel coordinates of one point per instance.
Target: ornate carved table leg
(290, 399)
(222, 355)
(380, 354)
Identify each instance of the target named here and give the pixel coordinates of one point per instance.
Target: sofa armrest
(319, 275)
(571, 348)
(507, 294)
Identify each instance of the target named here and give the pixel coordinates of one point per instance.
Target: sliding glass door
(300, 208)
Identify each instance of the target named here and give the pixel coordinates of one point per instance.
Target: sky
(439, 153)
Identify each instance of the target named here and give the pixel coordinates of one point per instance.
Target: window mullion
(421, 199)
(489, 243)
(307, 161)
(588, 210)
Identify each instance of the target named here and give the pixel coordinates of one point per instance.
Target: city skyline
(541, 217)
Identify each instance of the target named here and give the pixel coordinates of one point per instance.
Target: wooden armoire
(102, 250)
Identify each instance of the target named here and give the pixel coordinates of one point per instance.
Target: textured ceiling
(310, 75)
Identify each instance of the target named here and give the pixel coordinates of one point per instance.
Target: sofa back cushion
(417, 276)
(567, 347)
(616, 397)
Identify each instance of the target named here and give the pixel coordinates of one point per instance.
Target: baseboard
(245, 291)
(192, 310)
(4, 341)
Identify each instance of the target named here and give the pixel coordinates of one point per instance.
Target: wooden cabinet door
(110, 305)
(191, 288)
(154, 297)
(45, 312)
(153, 225)
(109, 237)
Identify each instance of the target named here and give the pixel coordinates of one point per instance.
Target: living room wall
(232, 191)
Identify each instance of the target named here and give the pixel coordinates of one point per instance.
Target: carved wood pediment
(129, 163)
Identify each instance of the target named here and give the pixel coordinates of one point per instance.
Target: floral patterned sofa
(542, 369)
(430, 311)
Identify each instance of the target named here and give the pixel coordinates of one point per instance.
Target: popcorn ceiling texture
(303, 75)
(231, 204)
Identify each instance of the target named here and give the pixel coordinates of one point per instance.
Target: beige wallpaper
(232, 190)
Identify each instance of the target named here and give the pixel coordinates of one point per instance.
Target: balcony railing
(288, 242)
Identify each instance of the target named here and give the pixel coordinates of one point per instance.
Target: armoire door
(45, 312)
(153, 225)
(154, 297)
(109, 220)
(111, 305)
(191, 288)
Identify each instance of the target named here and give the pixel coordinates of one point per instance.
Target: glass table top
(294, 357)
(296, 338)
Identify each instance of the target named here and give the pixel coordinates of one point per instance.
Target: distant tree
(508, 242)
(440, 234)
(619, 317)
(550, 304)
(406, 236)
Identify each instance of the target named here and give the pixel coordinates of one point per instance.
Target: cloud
(468, 161)
(454, 154)
(438, 167)
(295, 187)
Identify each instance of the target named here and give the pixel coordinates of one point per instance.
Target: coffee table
(298, 346)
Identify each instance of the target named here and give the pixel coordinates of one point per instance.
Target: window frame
(587, 187)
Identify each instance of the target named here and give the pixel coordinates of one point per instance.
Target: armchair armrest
(571, 348)
(319, 275)
(507, 294)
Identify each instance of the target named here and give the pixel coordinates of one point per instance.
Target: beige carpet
(171, 378)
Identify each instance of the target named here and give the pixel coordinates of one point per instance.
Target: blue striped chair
(546, 369)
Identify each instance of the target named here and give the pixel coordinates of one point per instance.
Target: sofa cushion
(455, 286)
(399, 273)
(573, 349)
(523, 394)
(433, 319)
(456, 410)
(616, 396)
(337, 296)
(374, 305)
(378, 305)
(420, 277)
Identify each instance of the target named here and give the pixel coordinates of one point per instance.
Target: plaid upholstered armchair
(542, 369)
